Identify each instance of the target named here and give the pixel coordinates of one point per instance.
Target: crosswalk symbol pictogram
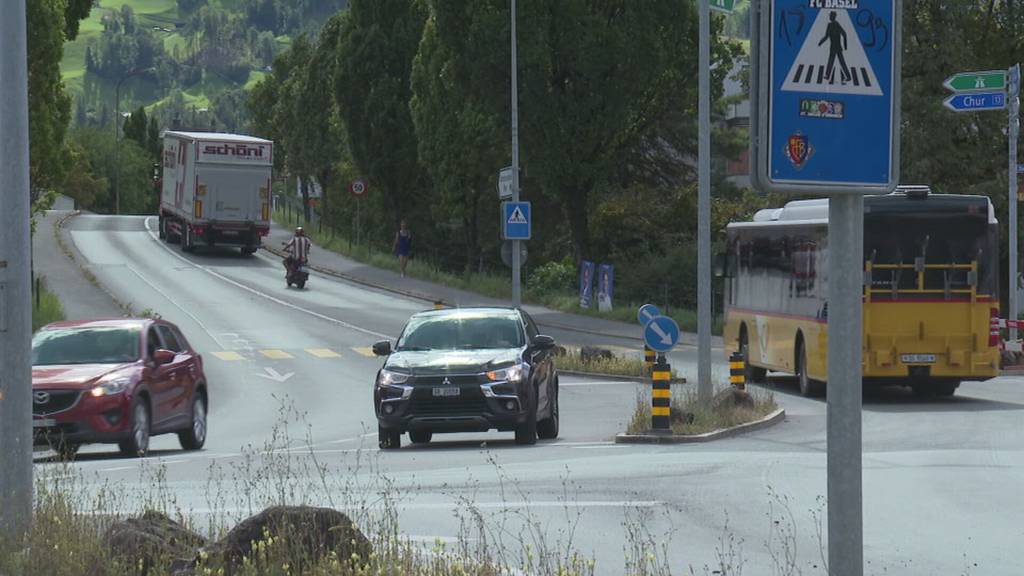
(832, 59)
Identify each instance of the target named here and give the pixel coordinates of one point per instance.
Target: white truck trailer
(216, 190)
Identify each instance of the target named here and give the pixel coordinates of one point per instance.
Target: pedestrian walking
(402, 246)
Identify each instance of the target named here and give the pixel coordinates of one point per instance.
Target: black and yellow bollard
(438, 305)
(738, 371)
(649, 358)
(661, 396)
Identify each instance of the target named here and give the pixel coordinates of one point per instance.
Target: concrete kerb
(769, 420)
(419, 296)
(637, 379)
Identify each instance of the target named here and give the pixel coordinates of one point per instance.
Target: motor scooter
(296, 273)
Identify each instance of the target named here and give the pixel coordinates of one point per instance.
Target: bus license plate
(44, 423)
(448, 391)
(918, 358)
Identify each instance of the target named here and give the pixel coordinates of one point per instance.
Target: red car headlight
(111, 387)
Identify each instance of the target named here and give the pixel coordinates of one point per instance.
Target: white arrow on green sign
(966, 81)
(725, 6)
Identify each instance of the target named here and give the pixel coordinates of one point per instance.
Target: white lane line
(118, 469)
(264, 295)
(600, 383)
(176, 305)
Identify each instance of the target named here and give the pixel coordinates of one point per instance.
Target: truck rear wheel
(161, 228)
(248, 250)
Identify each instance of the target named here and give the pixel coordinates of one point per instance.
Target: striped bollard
(438, 305)
(649, 358)
(737, 371)
(661, 396)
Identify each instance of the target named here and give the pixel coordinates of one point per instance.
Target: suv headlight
(111, 387)
(389, 378)
(513, 374)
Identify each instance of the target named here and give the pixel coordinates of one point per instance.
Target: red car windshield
(85, 346)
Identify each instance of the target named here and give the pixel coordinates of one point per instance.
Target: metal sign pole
(15, 291)
(516, 257)
(1014, 133)
(845, 289)
(704, 388)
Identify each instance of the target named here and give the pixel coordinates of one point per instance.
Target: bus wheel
(752, 373)
(808, 388)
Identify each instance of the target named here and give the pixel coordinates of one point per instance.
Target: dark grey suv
(467, 370)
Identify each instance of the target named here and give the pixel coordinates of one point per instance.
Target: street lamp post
(117, 136)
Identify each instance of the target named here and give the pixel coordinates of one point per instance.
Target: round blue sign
(661, 334)
(646, 313)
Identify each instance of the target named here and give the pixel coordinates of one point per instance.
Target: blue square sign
(516, 220)
(832, 86)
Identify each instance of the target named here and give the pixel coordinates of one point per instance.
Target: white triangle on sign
(517, 217)
(811, 71)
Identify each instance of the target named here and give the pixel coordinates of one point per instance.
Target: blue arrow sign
(661, 334)
(833, 71)
(646, 313)
(975, 102)
(515, 220)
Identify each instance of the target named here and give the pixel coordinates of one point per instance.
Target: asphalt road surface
(291, 418)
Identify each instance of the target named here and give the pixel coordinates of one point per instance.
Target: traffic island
(731, 412)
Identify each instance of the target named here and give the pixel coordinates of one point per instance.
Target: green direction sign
(966, 81)
(725, 6)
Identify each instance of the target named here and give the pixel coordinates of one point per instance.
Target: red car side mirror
(161, 357)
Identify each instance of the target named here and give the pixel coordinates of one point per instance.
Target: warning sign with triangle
(517, 217)
(832, 59)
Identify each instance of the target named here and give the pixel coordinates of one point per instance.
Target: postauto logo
(240, 152)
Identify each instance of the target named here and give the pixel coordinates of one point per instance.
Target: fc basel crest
(798, 150)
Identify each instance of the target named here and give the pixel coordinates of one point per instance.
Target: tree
(136, 127)
(49, 108)
(599, 79)
(460, 109)
(377, 42)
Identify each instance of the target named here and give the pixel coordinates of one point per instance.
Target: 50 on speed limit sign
(358, 188)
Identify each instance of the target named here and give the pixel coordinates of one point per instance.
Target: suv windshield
(85, 346)
(462, 331)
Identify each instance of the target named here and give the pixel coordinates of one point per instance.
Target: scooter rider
(298, 250)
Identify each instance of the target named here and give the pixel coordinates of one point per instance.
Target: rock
(591, 353)
(680, 418)
(150, 542)
(732, 398)
(305, 535)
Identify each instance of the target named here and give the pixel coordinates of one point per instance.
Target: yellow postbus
(931, 277)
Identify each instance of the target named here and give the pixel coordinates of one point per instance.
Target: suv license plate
(918, 358)
(452, 391)
(44, 423)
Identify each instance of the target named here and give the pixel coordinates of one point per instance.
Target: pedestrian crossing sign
(829, 71)
(515, 220)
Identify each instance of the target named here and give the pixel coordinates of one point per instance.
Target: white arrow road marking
(665, 338)
(276, 376)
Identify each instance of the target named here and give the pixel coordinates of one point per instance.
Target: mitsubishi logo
(447, 382)
(40, 397)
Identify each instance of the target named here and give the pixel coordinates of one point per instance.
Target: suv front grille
(46, 402)
(470, 402)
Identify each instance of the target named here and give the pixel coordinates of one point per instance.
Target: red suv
(116, 381)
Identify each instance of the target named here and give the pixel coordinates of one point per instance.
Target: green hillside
(197, 56)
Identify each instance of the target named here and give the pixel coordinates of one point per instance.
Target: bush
(554, 277)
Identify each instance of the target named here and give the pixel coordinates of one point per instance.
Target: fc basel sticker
(798, 150)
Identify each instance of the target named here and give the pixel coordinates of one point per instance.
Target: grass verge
(704, 418)
(46, 307)
(573, 361)
(485, 284)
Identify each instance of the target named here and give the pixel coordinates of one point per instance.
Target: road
(290, 375)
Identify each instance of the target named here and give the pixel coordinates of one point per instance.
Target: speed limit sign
(357, 188)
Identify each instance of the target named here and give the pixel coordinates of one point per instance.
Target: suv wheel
(526, 433)
(420, 436)
(194, 437)
(137, 444)
(389, 439)
(548, 429)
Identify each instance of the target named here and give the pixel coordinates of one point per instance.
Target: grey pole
(704, 387)
(1014, 133)
(15, 291)
(845, 279)
(117, 146)
(517, 299)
